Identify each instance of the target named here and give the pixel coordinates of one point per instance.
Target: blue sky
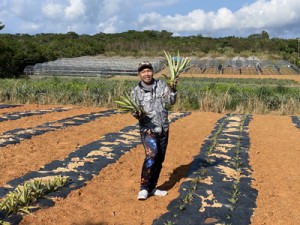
(215, 18)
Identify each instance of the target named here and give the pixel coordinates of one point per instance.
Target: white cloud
(75, 9)
(91, 16)
(159, 3)
(24, 9)
(108, 26)
(53, 10)
(31, 26)
(223, 19)
(268, 15)
(193, 21)
(272, 13)
(111, 7)
(17, 8)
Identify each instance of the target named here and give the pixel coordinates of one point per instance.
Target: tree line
(20, 50)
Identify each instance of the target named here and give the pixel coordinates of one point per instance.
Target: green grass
(207, 94)
(243, 81)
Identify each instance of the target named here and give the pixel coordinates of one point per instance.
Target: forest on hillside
(20, 50)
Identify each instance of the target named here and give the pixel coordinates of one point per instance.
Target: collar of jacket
(153, 85)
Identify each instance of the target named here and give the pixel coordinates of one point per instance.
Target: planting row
(4, 106)
(218, 185)
(217, 189)
(17, 135)
(296, 121)
(81, 165)
(19, 115)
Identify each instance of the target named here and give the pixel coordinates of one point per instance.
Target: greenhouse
(93, 66)
(101, 66)
(253, 66)
(286, 67)
(268, 68)
(234, 65)
(206, 65)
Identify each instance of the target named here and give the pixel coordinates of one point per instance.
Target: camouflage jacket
(155, 103)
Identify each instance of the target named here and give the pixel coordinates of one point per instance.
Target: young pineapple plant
(176, 67)
(127, 105)
(22, 199)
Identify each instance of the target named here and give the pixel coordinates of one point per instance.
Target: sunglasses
(144, 63)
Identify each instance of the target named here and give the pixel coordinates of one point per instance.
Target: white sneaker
(158, 192)
(143, 195)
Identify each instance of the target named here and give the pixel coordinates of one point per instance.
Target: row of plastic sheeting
(242, 65)
(109, 66)
(93, 66)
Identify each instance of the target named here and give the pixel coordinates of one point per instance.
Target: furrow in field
(85, 162)
(296, 121)
(31, 154)
(5, 106)
(19, 134)
(217, 188)
(37, 120)
(28, 113)
(274, 157)
(110, 197)
(28, 107)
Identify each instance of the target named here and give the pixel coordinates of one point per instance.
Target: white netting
(95, 66)
(106, 66)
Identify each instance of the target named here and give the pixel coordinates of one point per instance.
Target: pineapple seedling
(4, 223)
(127, 105)
(176, 66)
(21, 199)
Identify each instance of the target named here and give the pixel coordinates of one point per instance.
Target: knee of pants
(149, 162)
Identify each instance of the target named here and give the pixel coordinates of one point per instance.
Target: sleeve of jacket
(133, 96)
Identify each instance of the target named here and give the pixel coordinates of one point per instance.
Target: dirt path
(110, 197)
(275, 157)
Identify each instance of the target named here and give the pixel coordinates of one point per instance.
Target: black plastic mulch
(19, 115)
(4, 106)
(215, 203)
(17, 135)
(296, 121)
(91, 159)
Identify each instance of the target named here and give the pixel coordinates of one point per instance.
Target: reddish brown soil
(110, 197)
(275, 152)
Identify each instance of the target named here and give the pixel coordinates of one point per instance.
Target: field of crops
(219, 168)
(195, 92)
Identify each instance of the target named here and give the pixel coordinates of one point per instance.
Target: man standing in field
(154, 96)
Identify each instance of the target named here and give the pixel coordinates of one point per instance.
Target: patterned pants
(155, 146)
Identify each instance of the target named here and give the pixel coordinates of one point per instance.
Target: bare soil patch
(274, 158)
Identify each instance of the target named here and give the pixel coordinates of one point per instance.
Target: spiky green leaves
(127, 105)
(20, 200)
(176, 66)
